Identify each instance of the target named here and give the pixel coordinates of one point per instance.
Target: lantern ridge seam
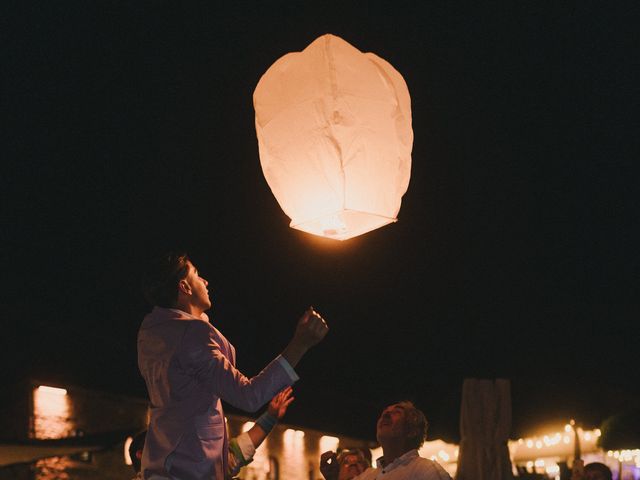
(335, 118)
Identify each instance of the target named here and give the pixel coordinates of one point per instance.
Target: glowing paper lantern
(334, 133)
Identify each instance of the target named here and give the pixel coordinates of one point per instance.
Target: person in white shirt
(351, 462)
(401, 431)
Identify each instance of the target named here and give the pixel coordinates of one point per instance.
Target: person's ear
(184, 287)
(411, 429)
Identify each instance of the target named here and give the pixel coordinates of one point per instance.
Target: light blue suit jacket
(189, 366)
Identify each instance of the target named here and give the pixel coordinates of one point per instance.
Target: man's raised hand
(311, 328)
(310, 331)
(329, 465)
(279, 404)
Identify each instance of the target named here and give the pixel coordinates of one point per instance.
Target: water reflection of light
(295, 465)
(55, 468)
(51, 411)
(287, 436)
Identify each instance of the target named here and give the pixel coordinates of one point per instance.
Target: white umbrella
(485, 423)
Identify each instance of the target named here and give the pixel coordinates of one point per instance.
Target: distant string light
(540, 453)
(626, 456)
(551, 440)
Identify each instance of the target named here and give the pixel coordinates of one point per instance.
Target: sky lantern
(334, 134)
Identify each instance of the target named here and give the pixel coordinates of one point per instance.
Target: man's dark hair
(601, 468)
(160, 281)
(417, 423)
(137, 444)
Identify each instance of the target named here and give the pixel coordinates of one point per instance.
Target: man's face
(199, 292)
(351, 465)
(392, 424)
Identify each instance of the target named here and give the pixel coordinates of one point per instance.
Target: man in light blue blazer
(189, 367)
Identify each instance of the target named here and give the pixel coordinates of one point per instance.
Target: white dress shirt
(409, 466)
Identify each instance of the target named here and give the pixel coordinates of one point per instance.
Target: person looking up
(401, 430)
(347, 464)
(591, 471)
(189, 367)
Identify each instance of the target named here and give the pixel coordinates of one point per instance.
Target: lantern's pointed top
(330, 41)
(328, 36)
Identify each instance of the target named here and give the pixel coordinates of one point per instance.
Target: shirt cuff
(293, 376)
(246, 446)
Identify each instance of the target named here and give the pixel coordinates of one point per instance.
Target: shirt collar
(160, 314)
(184, 315)
(401, 460)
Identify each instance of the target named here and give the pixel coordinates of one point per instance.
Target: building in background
(48, 428)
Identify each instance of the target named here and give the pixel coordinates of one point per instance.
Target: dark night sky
(131, 130)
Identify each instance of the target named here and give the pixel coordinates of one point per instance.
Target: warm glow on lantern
(335, 138)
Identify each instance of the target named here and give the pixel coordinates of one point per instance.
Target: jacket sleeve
(241, 452)
(202, 359)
